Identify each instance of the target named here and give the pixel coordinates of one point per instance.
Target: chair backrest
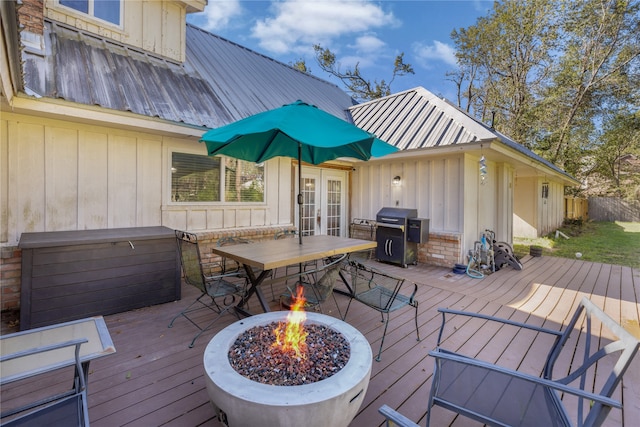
(373, 287)
(594, 347)
(190, 259)
(325, 284)
(230, 265)
(285, 234)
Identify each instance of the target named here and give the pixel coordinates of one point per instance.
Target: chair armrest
(395, 417)
(237, 274)
(446, 355)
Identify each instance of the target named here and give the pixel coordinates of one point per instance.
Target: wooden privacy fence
(575, 207)
(614, 209)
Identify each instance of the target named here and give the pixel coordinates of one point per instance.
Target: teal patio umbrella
(299, 131)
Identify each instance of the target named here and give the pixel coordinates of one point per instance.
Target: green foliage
(301, 65)
(357, 85)
(552, 71)
(620, 137)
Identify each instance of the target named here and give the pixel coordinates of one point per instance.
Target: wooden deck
(154, 379)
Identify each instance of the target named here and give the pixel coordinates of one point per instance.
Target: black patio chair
(291, 269)
(317, 285)
(498, 396)
(364, 229)
(221, 288)
(230, 265)
(380, 291)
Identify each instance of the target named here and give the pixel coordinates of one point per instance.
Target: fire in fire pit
(289, 353)
(256, 355)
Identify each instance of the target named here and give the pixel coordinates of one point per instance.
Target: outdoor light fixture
(396, 181)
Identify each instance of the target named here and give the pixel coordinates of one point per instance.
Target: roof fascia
(98, 116)
(533, 163)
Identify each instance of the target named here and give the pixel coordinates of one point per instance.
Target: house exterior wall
(59, 175)
(444, 189)
(525, 220)
(535, 215)
(155, 26)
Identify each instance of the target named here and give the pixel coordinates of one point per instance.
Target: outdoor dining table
(260, 258)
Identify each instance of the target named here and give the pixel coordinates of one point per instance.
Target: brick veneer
(10, 269)
(442, 249)
(31, 16)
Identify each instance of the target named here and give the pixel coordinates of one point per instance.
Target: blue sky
(370, 33)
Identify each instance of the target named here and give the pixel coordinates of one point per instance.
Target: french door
(324, 202)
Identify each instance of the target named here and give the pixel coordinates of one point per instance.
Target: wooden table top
(270, 254)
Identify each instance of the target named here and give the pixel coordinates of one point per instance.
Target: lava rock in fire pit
(253, 356)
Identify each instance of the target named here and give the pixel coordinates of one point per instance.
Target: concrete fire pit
(241, 402)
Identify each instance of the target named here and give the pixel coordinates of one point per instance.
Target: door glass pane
(308, 220)
(334, 207)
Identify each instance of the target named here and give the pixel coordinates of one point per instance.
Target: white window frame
(91, 12)
(223, 183)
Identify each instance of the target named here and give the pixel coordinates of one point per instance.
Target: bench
(35, 352)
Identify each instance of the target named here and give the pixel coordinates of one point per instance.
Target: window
(545, 190)
(196, 178)
(107, 10)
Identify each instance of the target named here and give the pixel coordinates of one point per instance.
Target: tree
(301, 65)
(503, 62)
(551, 70)
(600, 47)
(620, 137)
(357, 85)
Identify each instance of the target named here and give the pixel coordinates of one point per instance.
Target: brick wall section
(209, 239)
(31, 16)
(10, 269)
(442, 249)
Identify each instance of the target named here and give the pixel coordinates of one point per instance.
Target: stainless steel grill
(391, 235)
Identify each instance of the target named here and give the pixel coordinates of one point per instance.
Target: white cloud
(437, 51)
(218, 13)
(298, 23)
(368, 43)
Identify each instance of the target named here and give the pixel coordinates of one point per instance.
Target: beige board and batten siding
(447, 190)
(155, 26)
(70, 176)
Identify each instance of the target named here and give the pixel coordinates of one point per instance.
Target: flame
(291, 336)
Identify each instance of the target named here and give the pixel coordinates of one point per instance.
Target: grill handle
(397, 227)
(390, 220)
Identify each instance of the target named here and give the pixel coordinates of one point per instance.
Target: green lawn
(606, 242)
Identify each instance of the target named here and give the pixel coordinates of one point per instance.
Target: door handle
(318, 217)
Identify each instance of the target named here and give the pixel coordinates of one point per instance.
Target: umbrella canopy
(299, 131)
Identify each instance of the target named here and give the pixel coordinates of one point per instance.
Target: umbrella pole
(300, 199)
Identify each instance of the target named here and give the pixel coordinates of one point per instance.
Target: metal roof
(417, 118)
(219, 82)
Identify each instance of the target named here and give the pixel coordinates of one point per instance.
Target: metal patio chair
(499, 396)
(221, 288)
(364, 229)
(381, 292)
(229, 265)
(317, 284)
(306, 266)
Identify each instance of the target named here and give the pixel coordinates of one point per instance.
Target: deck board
(155, 379)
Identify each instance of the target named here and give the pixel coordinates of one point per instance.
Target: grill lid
(395, 215)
